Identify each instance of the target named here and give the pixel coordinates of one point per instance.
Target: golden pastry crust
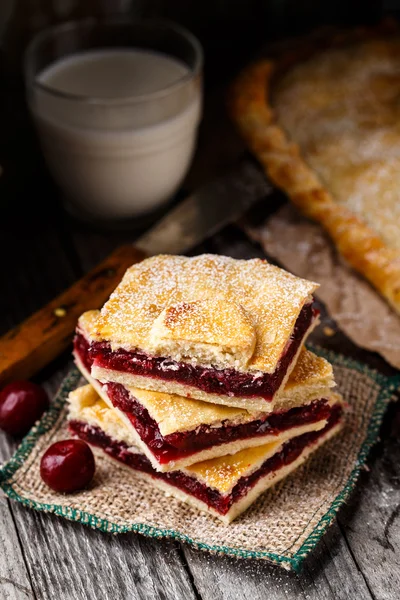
(174, 413)
(304, 171)
(145, 311)
(86, 405)
(224, 472)
(309, 369)
(87, 325)
(188, 329)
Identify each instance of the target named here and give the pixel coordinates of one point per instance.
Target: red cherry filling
(178, 445)
(212, 381)
(22, 403)
(67, 466)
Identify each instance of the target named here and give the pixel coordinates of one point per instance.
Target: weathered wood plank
(91, 247)
(14, 579)
(371, 521)
(72, 562)
(330, 574)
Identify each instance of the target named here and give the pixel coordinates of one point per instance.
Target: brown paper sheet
(302, 247)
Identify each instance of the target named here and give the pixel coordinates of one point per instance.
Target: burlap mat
(304, 249)
(283, 526)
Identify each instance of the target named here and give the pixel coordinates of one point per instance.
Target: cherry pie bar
(173, 431)
(199, 380)
(210, 327)
(224, 486)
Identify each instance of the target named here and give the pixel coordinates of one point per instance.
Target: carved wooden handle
(43, 336)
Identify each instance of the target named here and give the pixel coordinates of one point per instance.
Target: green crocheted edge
(388, 386)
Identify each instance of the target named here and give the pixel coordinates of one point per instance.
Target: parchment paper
(302, 247)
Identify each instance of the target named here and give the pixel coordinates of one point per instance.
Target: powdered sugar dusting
(270, 297)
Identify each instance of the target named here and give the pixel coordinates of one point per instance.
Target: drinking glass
(116, 157)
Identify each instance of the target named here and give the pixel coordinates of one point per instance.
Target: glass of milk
(117, 106)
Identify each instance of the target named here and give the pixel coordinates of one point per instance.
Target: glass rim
(48, 32)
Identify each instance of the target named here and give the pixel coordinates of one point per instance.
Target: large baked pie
(210, 327)
(223, 486)
(173, 431)
(324, 121)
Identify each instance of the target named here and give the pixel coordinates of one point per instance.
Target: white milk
(114, 152)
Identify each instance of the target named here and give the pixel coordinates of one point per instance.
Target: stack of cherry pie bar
(199, 380)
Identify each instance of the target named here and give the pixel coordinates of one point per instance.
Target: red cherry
(67, 466)
(22, 403)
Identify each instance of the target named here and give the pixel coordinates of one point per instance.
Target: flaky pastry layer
(207, 310)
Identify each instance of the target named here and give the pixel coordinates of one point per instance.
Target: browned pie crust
(250, 107)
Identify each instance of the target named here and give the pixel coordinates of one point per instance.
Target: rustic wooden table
(41, 556)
